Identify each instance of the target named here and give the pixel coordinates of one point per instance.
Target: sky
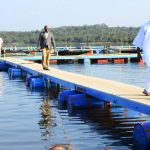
(29, 15)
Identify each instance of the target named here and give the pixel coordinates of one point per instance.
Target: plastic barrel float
(37, 83)
(63, 96)
(14, 72)
(29, 77)
(84, 101)
(3, 66)
(141, 135)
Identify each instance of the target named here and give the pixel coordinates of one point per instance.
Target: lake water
(31, 120)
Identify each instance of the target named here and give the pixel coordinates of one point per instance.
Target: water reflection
(51, 131)
(112, 125)
(46, 122)
(97, 129)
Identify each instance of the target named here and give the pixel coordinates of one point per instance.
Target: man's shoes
(45, 68)
(146, 93)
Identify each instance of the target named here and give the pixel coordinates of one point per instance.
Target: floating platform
(111, 91)
(93, 59)
(122, 49)
(76, 57)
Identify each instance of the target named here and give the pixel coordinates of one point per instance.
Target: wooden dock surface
(116, 92)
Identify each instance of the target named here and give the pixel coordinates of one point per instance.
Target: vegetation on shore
(75, 36)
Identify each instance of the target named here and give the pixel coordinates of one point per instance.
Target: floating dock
(122, 49)
(111, 91)
(75, 57)
(99, 59)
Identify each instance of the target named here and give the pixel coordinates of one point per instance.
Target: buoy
(78, 100)
(28, 78)
(3, 66)
(14, 72)
(141, 135)
(37, 83)
(63, 96)
(83, 100)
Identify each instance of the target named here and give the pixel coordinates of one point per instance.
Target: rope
(62, 123)
(64, 130)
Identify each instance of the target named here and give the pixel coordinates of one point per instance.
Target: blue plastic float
(37, 83)
(14, 72)
(74, 99)
(141, 135)
(3, 66)
(28, 78)
(63, 96)
(83, 100)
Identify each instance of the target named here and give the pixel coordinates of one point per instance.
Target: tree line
(75, 36)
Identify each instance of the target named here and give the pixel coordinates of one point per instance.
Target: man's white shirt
(1, 42)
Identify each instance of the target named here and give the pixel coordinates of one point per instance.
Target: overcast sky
(27, 15)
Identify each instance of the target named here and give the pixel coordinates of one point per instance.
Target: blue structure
(84, 101)
(37, 83)
(3, 66)
(77, 99)
(141, 135)
(63, 96)
(14, 72)
(140, 107)
(28, 79)
(84, 96)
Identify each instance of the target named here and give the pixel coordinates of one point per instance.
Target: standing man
(142, 41)
(1, 44)
(46, 42)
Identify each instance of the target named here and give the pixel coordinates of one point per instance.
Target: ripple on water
(24, 123)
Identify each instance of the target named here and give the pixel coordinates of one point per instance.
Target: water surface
(31, 119)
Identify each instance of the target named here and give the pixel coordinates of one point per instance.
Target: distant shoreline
(75, 36)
